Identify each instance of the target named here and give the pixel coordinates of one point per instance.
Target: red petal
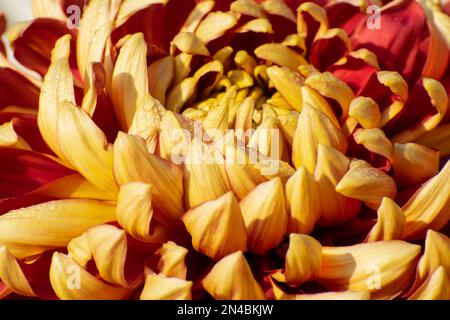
(28, 129)
(9, 204)
(325, 52)
(34, 46)
(344, 15)
(159, 23)
(404, 51)
(37, 274)
(417, 109)
(16, 90)
(104, 115)
(361, 77)
(2, 30)
(22, 171)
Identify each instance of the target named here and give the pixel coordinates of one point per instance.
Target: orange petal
(331, 167)
(390, 223)
(429, 206)
(130, 80)
(265, 216)
(384, 268)
(107, 246)
(217, 227)
(172, 262)
(231, 279)
(160, 287)
(314, 128)
(303, 259)
(205, 176)
(414, 164)
(30, 231)
(303, 204)
(133, 163)
(70, 281)
(365, 183)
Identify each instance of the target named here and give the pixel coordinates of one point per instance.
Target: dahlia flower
(188, 149)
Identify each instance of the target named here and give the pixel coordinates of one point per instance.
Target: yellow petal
(205, 176)
(375, 141)
(367, 56)
(30, 231)
(231, 279)
(240, 174)
(217, 227)
(288, 83)
(216, 122)
(331, 167)
(384, 267)
(188, 42)
(224, 56)
(240, 78)
(317, 13)
(70, 281)
(245, 62)
(244, 116)
(303, 259)
(395, 82)
(267, 139)
(438, 138)
(437, 287)
(265, 216)
(331, 87)
(12, 275)
(181, 93)
(366, 112)
(288, 125)
(248, 7)
(175, 136)
(279, 8)
(107, 246)
(172, 262)
(50, 9)
(148, 116)
(94, 30)
(9, 137)
(85, 147)
(160, 75)
(429, 207)
(314, 128)
(261, 25)
(439, 28)
(414, 163)
(182, 67)
(437, 253)
(215, 25)
(134, 209)
(280, 55)
(130, 80)
(197, 15)
(390, 222)
(303, 204)
(74, 187)
(366, 183)
(312, 97)
(133, 163)
(160, 287)
(56, 88)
